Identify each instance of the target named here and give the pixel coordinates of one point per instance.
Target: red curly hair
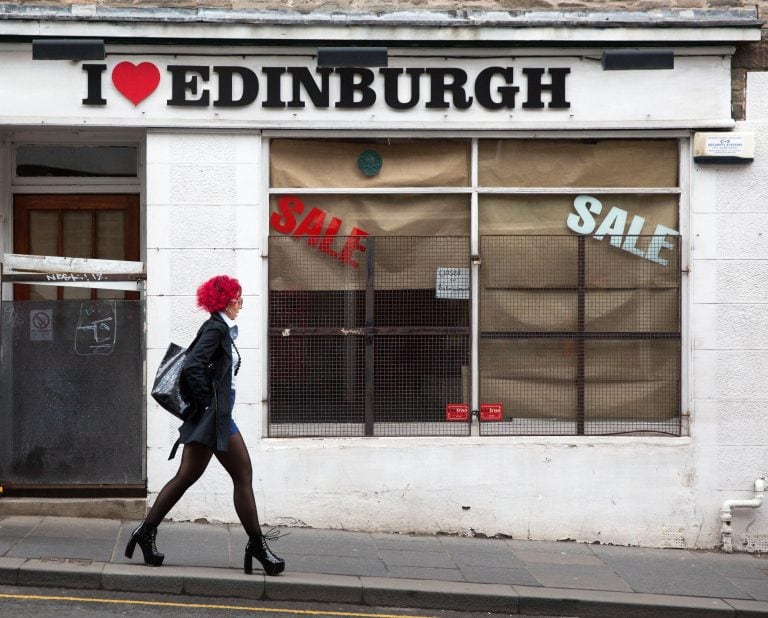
(215, 294)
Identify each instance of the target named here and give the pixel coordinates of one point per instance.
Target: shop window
(360, 344)
(93, 161)
(578, 293)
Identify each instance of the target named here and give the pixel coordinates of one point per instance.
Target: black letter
(273, 86)
(180, 85)
(348, 86)
(302, 77)
(557, 88)
(250, 86)
(391, 81)
(483, 88)
(94, 72)
(438, 88)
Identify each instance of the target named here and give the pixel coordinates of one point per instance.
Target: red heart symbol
(135, 82)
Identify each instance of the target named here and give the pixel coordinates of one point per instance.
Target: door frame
(12, 185)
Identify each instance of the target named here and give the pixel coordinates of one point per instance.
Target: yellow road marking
(310, 612)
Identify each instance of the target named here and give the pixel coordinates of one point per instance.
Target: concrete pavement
(507, 576)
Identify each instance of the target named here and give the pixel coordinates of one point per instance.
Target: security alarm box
(724, 147)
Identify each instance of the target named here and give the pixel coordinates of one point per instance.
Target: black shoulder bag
(166, 389)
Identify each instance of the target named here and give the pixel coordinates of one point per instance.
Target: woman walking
(208, 382)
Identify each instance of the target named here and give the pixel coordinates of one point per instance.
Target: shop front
(466, 270)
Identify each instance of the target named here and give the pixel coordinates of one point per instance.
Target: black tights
(194, 461)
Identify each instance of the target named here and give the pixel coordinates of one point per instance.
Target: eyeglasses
(237, 301)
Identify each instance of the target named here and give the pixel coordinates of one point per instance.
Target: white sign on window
(452, 283)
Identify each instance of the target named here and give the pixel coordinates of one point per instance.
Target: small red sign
(456, 412)
(491, 412)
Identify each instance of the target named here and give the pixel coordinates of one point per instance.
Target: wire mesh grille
(579, 336)
(375, 348)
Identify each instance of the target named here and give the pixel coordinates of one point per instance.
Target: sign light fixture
(637, 59)
(68, 49)
(352, 56)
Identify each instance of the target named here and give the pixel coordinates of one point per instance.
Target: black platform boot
(257, 548)
(145, 536)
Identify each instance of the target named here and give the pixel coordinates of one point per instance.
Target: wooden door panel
(104, 226)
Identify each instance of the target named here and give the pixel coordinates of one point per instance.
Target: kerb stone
(458, 596)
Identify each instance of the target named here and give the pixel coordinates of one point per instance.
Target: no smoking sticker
(40, 325)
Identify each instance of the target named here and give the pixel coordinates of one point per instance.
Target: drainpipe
(726, 515)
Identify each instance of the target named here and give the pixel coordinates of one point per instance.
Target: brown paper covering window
(547, 214)
(623, 379)
(424, 217)
(578, 163)
(405, 163)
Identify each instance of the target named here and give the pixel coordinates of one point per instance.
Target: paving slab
(558, 558)
(61, 573)
(314, 587)
(586, 603)
(6, 543)
(438, 559)
(475, 544)
(502, 558)
(326, 543)
(578, 576)
(425, 573)
(335, 565)
(737, 565)
(210, 582)
(396, 542)
(9, 570)
(558, 547)
(491, 598)
(18, 525)
(748, 608)
(77, 528)
(675, 572)
(141, 578)
(58, 547)
(755, 588)
(497, 575)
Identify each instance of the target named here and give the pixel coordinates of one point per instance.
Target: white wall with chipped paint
(729, 218)
(206, 214)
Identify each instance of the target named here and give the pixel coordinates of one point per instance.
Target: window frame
(101, 184)
(682, 190)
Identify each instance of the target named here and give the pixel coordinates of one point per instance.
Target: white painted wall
(204, 218)
(206, 212)
(730, 319)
